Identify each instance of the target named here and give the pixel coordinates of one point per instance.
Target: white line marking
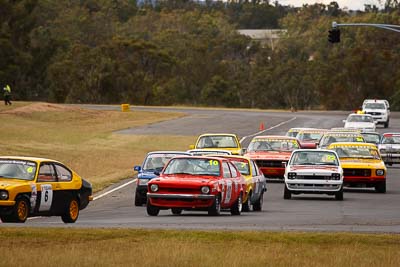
(115, 189)
(270, 128)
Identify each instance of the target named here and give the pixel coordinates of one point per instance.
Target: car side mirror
(137, 168)
(284, 163)
(191, 147)
(157, 173)
(244, 150)
(344, 121)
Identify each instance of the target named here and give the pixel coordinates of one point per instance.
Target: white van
(379, 109)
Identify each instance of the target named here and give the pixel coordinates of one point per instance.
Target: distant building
(266, 37)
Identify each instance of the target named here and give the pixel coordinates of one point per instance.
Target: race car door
(46, 185)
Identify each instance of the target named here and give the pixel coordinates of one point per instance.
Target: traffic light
(334, 36)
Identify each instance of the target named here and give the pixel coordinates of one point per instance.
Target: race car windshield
(193, 166)
(156, 162)
(358, 152)
(304, 136)
(391, 140)
(375, 106)
(327, 140)
(314, 158)
(371, 138)
(243, 166)
(218, 141)
(360, 118)
(272, 145)
(292, 133)
(17, 169)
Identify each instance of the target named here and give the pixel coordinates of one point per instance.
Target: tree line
(186, 52)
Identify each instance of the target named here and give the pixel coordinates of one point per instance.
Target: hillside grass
(84, 139)
(130, 247)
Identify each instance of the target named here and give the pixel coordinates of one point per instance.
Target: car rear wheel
(247, 203)
(236, 209)
(339, 195)
(72, 212)
(380, 187)
(287, 194)
(259, 203)
(176, 211)
(152, 210)
(215, 209)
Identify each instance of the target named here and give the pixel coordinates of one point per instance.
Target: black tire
(247, 204)
(386, 125)
(71, 213)
(236, 208)
(259, 203)
(215, 209)
(6, 218)
(380, 187)
(138, 201)
(339, 195)
(152, 210)
(287, 194)
(176, 211)
(19, 213)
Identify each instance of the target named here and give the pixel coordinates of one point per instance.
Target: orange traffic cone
(262, 127)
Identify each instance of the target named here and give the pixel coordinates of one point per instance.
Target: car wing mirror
(244, 150)
(344, 121)
(137, 168)
(157, 173)
(191, 147)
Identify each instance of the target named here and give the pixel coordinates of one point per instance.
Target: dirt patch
(39, 107)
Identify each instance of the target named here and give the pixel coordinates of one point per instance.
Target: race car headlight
(205, 189)
(154, 188)
(380, 172)
(143, 181)
(3, 195)
(292, 175)
(335, 176)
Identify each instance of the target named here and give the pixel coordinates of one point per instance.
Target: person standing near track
(7, 95)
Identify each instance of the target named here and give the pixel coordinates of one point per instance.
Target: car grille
(374, 113)
(357, 172)
(314, 177)
(270, 163)
(180, 190)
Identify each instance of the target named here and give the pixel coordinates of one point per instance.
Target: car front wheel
(287, 194)
(152, 210)
(339, 195)
(259, 203)
(215, 209)
(380, 187)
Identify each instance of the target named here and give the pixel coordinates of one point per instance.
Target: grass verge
(84, 139)
(129, 247)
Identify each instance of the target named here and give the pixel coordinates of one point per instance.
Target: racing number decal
(46, 198)
(228, 194)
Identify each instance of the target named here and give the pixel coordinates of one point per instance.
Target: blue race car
(151, 168)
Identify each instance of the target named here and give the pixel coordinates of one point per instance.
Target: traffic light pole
(389, 27)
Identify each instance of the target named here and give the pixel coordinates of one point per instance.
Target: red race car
(309, 138)
(197, 183)
(271, 153)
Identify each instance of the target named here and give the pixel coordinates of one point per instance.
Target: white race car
(363, 122)
(314, 171)
(389, 148)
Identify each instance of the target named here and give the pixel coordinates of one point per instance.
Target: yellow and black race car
(40, 187)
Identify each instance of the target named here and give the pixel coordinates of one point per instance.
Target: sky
(351, 4)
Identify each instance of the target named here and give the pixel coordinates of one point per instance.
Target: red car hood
(274, 155)
(184, 180)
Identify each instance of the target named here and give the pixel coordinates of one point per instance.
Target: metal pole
(380, 26)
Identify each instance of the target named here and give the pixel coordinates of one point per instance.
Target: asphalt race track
(360, 211)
